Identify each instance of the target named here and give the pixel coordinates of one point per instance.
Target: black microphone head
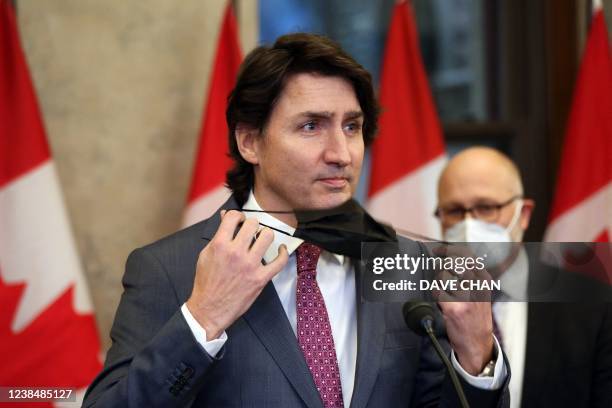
(414, 315)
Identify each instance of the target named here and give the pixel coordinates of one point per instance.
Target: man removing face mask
(481, 201)
(228, 314)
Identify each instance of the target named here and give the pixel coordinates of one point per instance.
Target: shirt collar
(290, 242)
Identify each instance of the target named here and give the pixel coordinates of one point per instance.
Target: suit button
(188, 372)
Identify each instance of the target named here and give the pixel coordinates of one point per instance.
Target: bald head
(482, 175)
(482, 172)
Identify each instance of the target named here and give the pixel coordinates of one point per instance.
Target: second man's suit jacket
(568, 360)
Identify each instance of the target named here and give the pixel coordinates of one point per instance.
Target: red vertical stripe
(23, 145)
(586, 161)
(410, 134)
(212, 161)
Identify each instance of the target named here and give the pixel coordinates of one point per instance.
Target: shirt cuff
(212, 347)
(486, 383)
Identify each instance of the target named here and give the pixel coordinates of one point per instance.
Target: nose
(337, 150)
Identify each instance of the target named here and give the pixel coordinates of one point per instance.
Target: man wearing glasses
(560, 354)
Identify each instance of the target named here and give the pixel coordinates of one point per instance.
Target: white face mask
(473, 230)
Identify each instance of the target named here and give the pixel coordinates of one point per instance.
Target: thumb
(274, 267)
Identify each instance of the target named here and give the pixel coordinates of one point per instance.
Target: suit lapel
(370, 336)
(268, 320)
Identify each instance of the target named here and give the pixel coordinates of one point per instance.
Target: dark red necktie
(314, 330)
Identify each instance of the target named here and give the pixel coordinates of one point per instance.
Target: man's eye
(353, 127)
(485, 208)
(309, 126)
(454, 212)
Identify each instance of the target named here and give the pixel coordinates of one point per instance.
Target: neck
(288, 217)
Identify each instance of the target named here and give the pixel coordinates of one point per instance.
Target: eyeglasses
(484, 212)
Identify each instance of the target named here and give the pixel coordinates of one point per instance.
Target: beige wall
(121, 85)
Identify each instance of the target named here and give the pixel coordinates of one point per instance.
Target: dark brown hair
(261, 80)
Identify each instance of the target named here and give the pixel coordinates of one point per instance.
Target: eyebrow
(354, 115)
(328, 115)
(478, 201)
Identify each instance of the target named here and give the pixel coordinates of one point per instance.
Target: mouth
(335, 182)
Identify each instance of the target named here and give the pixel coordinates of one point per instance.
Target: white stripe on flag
(586, 221)
(36, 244)
(409, 203)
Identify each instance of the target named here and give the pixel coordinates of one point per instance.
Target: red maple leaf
(58, 349)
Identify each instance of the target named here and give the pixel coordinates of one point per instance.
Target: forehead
(476, 182)
(316, 93)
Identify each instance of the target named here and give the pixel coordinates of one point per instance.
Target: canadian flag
(408, 154)
(48, 334)
(208, 189)
(582, 207)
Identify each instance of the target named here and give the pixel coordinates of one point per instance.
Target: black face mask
(341, 229)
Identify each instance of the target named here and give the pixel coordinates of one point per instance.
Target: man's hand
(469, 326)
(229, 273)
(467, 313)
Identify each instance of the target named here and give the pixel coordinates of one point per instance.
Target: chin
(331, 200)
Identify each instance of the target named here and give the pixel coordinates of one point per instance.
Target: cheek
(294, 160)
(357, 152)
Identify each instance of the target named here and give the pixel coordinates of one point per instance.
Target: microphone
(419, 317)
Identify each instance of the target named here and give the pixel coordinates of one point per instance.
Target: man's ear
(526, 211)
(247, 139)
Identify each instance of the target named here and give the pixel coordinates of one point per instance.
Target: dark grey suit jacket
(568, 360)
(155, 360)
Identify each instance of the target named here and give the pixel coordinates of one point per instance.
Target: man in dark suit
(231, 312)
(560, 353)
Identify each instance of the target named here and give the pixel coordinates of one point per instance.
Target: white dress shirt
(510, 313)
(336, 279)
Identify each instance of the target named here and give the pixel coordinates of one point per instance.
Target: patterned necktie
(314, 330)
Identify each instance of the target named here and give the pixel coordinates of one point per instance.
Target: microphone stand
(419, 317)
(427, 324)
